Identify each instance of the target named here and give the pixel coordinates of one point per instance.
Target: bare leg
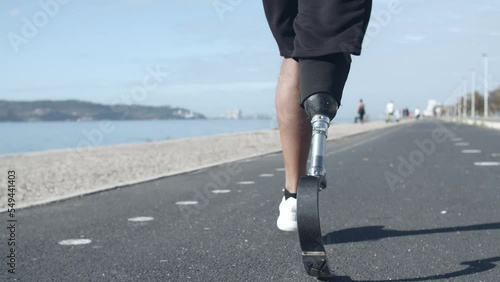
(295, 128)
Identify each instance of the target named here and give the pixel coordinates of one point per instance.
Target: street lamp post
(464, 101)
(473, 96)
(486, 94)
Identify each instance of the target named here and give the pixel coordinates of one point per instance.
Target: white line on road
(246, 182)
(462, 144)
(266, 175)
(140, 219)
(456, 139)
(221, 191)
(75, 242)
(185, 203)
(280, 169)
(472, 151)
(487, 163)
(495, 155)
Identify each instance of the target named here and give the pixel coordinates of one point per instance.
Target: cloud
(453, 29)
(222, 87)
(195, 1)
(405, 20)
(113, 6)
(488, 8)
(408, 39)
(453, 16)
(14, 12)
(253, 69)
(413, 37)
(137, 2)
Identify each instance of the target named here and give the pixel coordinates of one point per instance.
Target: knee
(321, 103)
(322, 81)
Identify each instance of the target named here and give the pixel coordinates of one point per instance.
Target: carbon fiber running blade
(309, 228)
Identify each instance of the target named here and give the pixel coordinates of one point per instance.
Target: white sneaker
(287, 220)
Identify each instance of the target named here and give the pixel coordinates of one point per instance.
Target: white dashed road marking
(471, 151)
(487, 163)
(140, 219)
(184, 203)
(280, 169)
(456, 139)
(221, 191)
(495, 155)
(246, 182)
(75, 242)
(444, 212)
(266, 175)
(462, 144)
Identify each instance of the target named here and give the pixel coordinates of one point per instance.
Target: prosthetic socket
(322, 81)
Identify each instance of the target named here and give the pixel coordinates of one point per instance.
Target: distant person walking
(397, 115)
(389, 109)
(361, 110)
(406, 112)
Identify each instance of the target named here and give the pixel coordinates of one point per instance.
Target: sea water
(22, 137)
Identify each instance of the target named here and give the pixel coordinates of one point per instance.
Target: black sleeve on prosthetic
(325, 74)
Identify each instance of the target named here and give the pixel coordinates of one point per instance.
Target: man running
(316, 39)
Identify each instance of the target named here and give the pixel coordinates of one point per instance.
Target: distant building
(234, 114)
(431, 106)
(434, 109)
(263, 116)
(184, 114)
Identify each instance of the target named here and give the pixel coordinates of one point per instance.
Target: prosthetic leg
(322, 81)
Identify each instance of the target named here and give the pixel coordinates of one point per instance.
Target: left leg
(294, 127)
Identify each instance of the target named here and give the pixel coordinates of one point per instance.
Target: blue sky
(219, 54)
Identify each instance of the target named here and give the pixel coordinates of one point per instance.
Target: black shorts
(312, 28)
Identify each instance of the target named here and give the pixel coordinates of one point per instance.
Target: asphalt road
(384, 218)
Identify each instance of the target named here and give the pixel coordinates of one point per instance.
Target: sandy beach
(55, 175)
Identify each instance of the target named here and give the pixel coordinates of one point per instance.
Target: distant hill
(73, 110)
